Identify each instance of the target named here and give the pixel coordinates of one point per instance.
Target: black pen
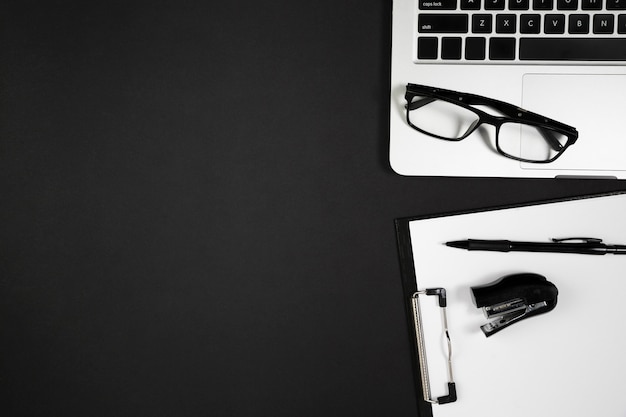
(589, 246)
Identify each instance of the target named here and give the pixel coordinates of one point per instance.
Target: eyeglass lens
(530, 142)
(441, 118)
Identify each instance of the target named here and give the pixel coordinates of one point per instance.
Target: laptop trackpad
(593, 104)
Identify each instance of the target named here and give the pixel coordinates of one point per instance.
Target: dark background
(197, 210)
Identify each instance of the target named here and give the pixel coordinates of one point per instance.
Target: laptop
(563, 59)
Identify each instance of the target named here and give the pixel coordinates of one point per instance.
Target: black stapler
(513, 298)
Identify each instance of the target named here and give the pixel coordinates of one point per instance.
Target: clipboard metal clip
(421, 347)
(514, 298)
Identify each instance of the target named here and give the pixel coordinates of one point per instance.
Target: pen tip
(461, 244)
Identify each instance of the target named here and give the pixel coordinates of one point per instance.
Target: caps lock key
(437, 4)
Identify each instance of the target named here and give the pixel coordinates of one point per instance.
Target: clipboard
(570, 361)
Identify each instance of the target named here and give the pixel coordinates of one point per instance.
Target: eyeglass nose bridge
(473, 127)
(490, 120)
(483, 118)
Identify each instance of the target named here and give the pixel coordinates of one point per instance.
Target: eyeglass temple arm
(548, 135)
(420, 103)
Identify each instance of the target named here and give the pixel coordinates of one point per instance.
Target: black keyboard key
(567, 4)
(427, 48)
(502, 48)
(475, 49)
(505, 23)
(616, 4)
(543, 4)
(554, 24)
(470, 4)
(529, 23)
(573, 49)
(592, 4)
(442, 23)
(519, 4)
(482, 23)
(621, 23)
(437, 4)
(450, 48)
(494, 4)
(603, 23)
(578, 24)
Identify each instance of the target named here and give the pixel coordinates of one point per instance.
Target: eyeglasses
(520, 134)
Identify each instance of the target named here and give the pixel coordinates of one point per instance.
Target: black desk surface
(197, 210)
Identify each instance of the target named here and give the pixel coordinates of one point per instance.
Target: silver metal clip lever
(509, 312)
(421, 347)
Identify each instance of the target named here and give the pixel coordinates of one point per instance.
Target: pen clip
(578, 239)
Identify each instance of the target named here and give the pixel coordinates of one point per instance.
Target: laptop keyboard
(526, 31)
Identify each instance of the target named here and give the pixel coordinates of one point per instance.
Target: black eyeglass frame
(513, 114)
